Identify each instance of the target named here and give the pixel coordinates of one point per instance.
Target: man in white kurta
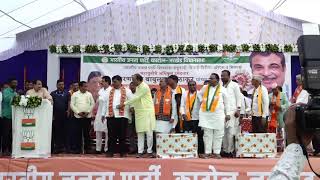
(117, 117)
(213, 114)
(100, 127)
(177, 93)
(231, 127)
(300, 95)
(260, 105)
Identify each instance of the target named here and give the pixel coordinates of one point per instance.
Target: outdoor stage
(91, 167)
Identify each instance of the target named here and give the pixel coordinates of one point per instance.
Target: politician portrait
(271, 66)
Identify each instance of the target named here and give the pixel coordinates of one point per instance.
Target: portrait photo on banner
(273, 67)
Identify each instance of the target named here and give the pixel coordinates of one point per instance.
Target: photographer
(292, 160)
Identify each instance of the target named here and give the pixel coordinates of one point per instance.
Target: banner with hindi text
(195, 67)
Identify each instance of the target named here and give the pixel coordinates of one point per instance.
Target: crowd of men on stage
(119, 114)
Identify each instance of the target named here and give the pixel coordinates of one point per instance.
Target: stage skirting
(99, 168)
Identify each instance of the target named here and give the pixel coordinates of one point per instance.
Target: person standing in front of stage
(100, 127)
(82, 104)
(190, 106)
(144, 114)
(163, 107)
(59, 122)
(260, 105)
(177, 92)
(213, 114)
(231, 127)
(117, 117)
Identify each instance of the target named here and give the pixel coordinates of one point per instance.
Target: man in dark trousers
(6, 124)
(82, 104)
(59, 124)
(177, 93)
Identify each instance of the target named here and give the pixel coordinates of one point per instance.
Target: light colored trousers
(230, 132)
(228, 140)
(212, 140)
(99, 140)
(141, 141)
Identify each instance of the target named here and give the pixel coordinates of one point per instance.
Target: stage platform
(99, 167)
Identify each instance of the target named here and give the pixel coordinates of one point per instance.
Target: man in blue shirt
(59, 124)
(6, 121)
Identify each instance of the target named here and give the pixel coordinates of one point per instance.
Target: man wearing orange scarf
(177, 93)
(260, 105)
(118, 117)
(213, 114)
(278, 105)
(190, 106)
(163, 107)
(300, 95)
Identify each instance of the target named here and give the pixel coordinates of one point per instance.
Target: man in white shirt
(213, 114)
(300, 95)
(82, 103)
(117, 117)
(100, 127)
(177, 93)
(190, 106)
(260, 105)
(245, 104)
(231, 127)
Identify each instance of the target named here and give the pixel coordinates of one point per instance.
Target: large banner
(274, 67)
(101, 168)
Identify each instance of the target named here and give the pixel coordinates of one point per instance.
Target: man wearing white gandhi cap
(300, 95)
(260, 105)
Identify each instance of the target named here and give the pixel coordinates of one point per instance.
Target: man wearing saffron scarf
(144, 114)
(278, 105)
(163, 107)
(232, 125)
(213, 114)
(117, 117)
(260, 105)
(190, 107)
(177, 93)
(300, 95)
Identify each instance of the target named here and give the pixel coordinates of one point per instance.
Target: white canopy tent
(146, 22)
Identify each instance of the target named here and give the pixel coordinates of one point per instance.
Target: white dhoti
(212, 140)
(230, 130)
(141, 141)
(163, 126)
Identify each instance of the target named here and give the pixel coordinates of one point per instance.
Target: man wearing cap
(278, 105)
(300, 95)
(260, 105)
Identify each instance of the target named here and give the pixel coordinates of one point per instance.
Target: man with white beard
(234, 97)
(99, 126)
(213, 114)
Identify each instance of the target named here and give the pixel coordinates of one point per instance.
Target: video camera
(308, 116)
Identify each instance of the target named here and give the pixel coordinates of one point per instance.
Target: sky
(39, 12)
